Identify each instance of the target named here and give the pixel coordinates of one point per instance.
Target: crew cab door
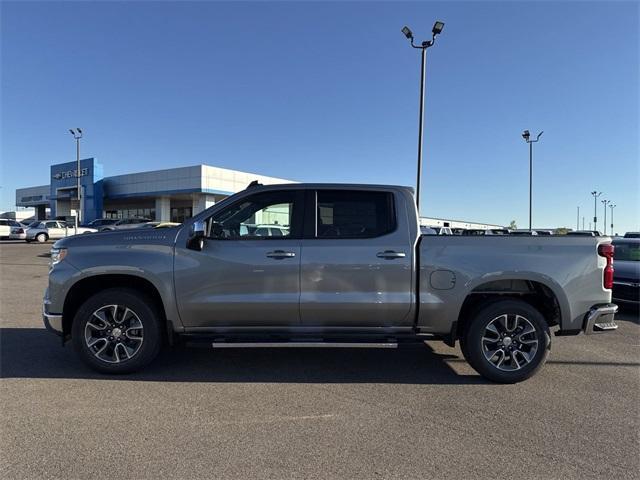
(241, 278)
(357, 260)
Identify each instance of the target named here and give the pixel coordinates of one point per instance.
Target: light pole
(77, 134)
(578, 220)
(583, 222)
(595, 194)
(612, 206)
(605, 202)
(526, 135)
(436, 30)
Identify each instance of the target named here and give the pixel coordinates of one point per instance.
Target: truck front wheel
(507, 341)
(117, 331)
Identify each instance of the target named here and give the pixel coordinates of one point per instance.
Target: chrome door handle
(281, 254)
(390, 254)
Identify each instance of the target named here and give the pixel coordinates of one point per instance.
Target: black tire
(145, 312)
(474, 347)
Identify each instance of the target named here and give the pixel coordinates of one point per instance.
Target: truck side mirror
(196, 236)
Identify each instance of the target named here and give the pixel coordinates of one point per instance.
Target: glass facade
(131, 213)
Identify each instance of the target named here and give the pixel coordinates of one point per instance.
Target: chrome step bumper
(600, 319)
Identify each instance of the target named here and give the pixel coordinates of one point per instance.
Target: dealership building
(172, 195)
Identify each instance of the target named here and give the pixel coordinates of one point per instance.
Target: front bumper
(52, 322)
(600, 319)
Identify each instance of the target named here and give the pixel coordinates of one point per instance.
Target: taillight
(606, 251)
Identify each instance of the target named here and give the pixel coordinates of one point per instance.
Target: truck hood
(137, 236)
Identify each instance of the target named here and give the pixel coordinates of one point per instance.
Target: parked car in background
(159, 225)
(632, 235)
(472, 232)
(427, 231)
(546, 233)
(5, 229)
(523, 232)
(457, 231)
(125, 224)
(626, 273)
(271, 231)
(11, 229)
(53, 230)
(441, 230)
(98, 223)
(500, 231)
(584, 233)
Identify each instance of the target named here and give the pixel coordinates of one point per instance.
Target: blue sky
(328, 91)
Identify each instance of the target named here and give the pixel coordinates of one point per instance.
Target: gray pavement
(418, 412)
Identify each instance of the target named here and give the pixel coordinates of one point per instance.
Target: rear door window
(354, 214)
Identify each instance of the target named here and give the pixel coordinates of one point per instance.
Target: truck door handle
(280, 254)
(390, 254)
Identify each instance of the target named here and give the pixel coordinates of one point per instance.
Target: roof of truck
(337, 186)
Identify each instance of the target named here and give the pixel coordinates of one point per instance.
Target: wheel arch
(87, 286)
(547, 297)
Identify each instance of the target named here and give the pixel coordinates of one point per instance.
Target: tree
(512, 225)
(562, 231)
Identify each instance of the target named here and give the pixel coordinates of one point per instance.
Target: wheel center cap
(506, 341)
(116, 332)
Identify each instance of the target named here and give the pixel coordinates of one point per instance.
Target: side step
(304, 344)
(605, 327)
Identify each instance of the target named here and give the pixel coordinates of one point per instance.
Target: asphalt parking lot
(407, 413)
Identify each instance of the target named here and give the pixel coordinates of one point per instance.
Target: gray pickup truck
(350, 269)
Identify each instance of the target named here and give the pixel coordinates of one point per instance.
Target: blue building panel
(64, 180)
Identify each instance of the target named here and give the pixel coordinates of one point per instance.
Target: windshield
(628, 252)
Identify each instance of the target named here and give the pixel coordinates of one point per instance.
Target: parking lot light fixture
(612, 206)
(605, 203)
(595, 194)
(436, 30)
(78, 135)
(527, 138)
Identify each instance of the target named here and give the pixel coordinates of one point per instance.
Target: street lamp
(612, 206)
(578, 220)
(436, 30)
(77, 134)
(605, 202)
(595, 194)
(527, 138)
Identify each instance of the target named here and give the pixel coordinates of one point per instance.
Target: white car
(12, 230)
(53, 229)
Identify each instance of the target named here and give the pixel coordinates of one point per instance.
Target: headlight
(57, 255)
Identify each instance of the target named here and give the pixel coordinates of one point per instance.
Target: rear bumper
(600, 319)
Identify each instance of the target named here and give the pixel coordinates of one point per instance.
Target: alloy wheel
(114, 333)
(510, 342)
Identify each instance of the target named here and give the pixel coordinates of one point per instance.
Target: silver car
(53, 229)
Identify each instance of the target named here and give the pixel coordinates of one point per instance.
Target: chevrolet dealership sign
(70, 174)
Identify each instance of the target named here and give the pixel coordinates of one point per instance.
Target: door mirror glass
(196, 236)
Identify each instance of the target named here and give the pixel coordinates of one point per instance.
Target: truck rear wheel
(507, 341)
(117, 331)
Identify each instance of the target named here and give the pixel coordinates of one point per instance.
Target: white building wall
(201, 202)
(163, 209)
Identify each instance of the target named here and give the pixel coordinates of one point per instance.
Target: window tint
(253, 217)
(51, 225)
(353, 214)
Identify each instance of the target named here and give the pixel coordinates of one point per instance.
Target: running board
(304, 345)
